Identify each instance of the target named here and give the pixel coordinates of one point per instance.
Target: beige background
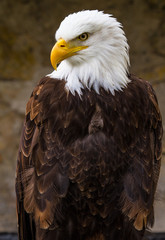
(27, 30)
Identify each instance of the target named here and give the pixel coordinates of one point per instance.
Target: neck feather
(111, 75)
(108, 70)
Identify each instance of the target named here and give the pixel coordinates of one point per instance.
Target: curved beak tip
(61, 51)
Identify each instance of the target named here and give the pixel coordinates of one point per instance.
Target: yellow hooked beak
(61, 51)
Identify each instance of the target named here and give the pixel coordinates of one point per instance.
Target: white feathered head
(92, 51)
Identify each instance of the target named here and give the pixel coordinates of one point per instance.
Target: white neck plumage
(110, 74)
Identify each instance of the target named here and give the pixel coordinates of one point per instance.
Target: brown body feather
(88, 168)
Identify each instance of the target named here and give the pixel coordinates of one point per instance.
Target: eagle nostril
(62, 45)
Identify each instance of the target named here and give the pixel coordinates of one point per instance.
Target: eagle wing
(41, 179)
(141, 177)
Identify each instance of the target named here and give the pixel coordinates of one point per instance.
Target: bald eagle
(90, 149)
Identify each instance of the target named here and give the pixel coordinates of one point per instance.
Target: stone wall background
(27, 30)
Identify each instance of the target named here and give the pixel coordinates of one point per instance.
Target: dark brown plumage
(88, 167)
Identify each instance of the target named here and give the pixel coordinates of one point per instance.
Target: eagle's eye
(83, 36)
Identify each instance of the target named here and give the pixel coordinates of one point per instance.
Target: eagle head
(92, 51)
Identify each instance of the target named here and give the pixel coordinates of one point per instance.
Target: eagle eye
(83, 36)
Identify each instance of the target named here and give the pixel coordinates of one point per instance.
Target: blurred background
(27, 29)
